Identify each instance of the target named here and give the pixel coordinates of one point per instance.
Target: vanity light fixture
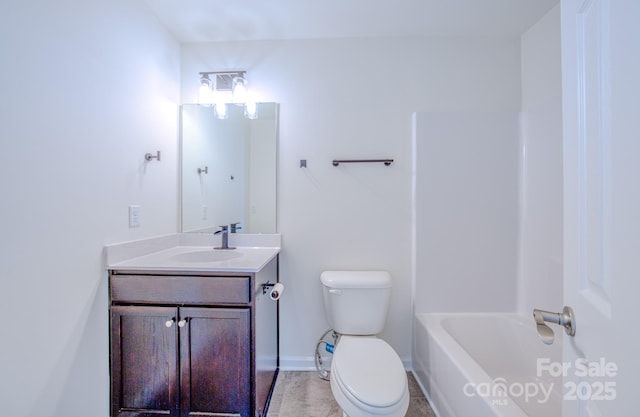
(219, 88)
(220, 109)
(205, 92)
(250, 110)
(239, 90)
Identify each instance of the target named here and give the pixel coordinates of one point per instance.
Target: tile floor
(304, 394)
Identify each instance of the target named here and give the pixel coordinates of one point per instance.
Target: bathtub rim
(463, 361)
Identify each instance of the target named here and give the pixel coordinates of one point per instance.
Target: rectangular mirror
(228, 168)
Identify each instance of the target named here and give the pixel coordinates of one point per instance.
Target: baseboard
(297, 363)
(308, 363)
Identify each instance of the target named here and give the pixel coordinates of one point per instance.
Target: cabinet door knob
(169, 323)
(182, 322)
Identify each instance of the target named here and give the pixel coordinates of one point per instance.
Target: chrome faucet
(224, 232)
(235, 227)
(566, 319)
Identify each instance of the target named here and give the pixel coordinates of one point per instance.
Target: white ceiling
(230, 20)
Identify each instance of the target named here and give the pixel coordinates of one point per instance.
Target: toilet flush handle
(335, 292)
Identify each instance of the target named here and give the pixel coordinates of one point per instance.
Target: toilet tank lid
(356, 279)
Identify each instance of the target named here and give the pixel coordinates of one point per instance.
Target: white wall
(489, 195)
(466, 211)
(540, 274)
(88, 87)
(353, 98)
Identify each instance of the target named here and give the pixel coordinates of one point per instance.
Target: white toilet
(367, 376)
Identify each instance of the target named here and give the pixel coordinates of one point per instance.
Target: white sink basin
(208, 255)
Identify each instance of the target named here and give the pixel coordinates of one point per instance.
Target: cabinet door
(144, 355)
(215, 361)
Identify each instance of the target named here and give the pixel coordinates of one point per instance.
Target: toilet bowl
(367, 376)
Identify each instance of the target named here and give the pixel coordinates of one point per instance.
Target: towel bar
(337, 162)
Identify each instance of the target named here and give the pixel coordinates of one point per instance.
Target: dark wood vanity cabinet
(187, 345)
(144, 362)
(216, 362)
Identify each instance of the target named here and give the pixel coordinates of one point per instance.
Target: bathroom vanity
(192, 336)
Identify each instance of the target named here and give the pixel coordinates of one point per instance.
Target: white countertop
(167, 253)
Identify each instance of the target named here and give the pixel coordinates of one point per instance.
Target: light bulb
(221, 110)
(205, 94)
(239, 90)
(251, 110)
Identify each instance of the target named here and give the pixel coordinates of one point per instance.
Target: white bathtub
(486, 365)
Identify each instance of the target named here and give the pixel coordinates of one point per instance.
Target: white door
(601, 116)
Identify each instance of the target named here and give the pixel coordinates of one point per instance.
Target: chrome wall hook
(150, 157)
(566, 319)
(204, 170)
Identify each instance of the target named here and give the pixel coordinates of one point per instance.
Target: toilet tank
(356, 302)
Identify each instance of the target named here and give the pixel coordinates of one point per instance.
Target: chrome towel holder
(150, 157)
(337, 162)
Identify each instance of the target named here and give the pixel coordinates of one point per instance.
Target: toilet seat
(368, 378)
